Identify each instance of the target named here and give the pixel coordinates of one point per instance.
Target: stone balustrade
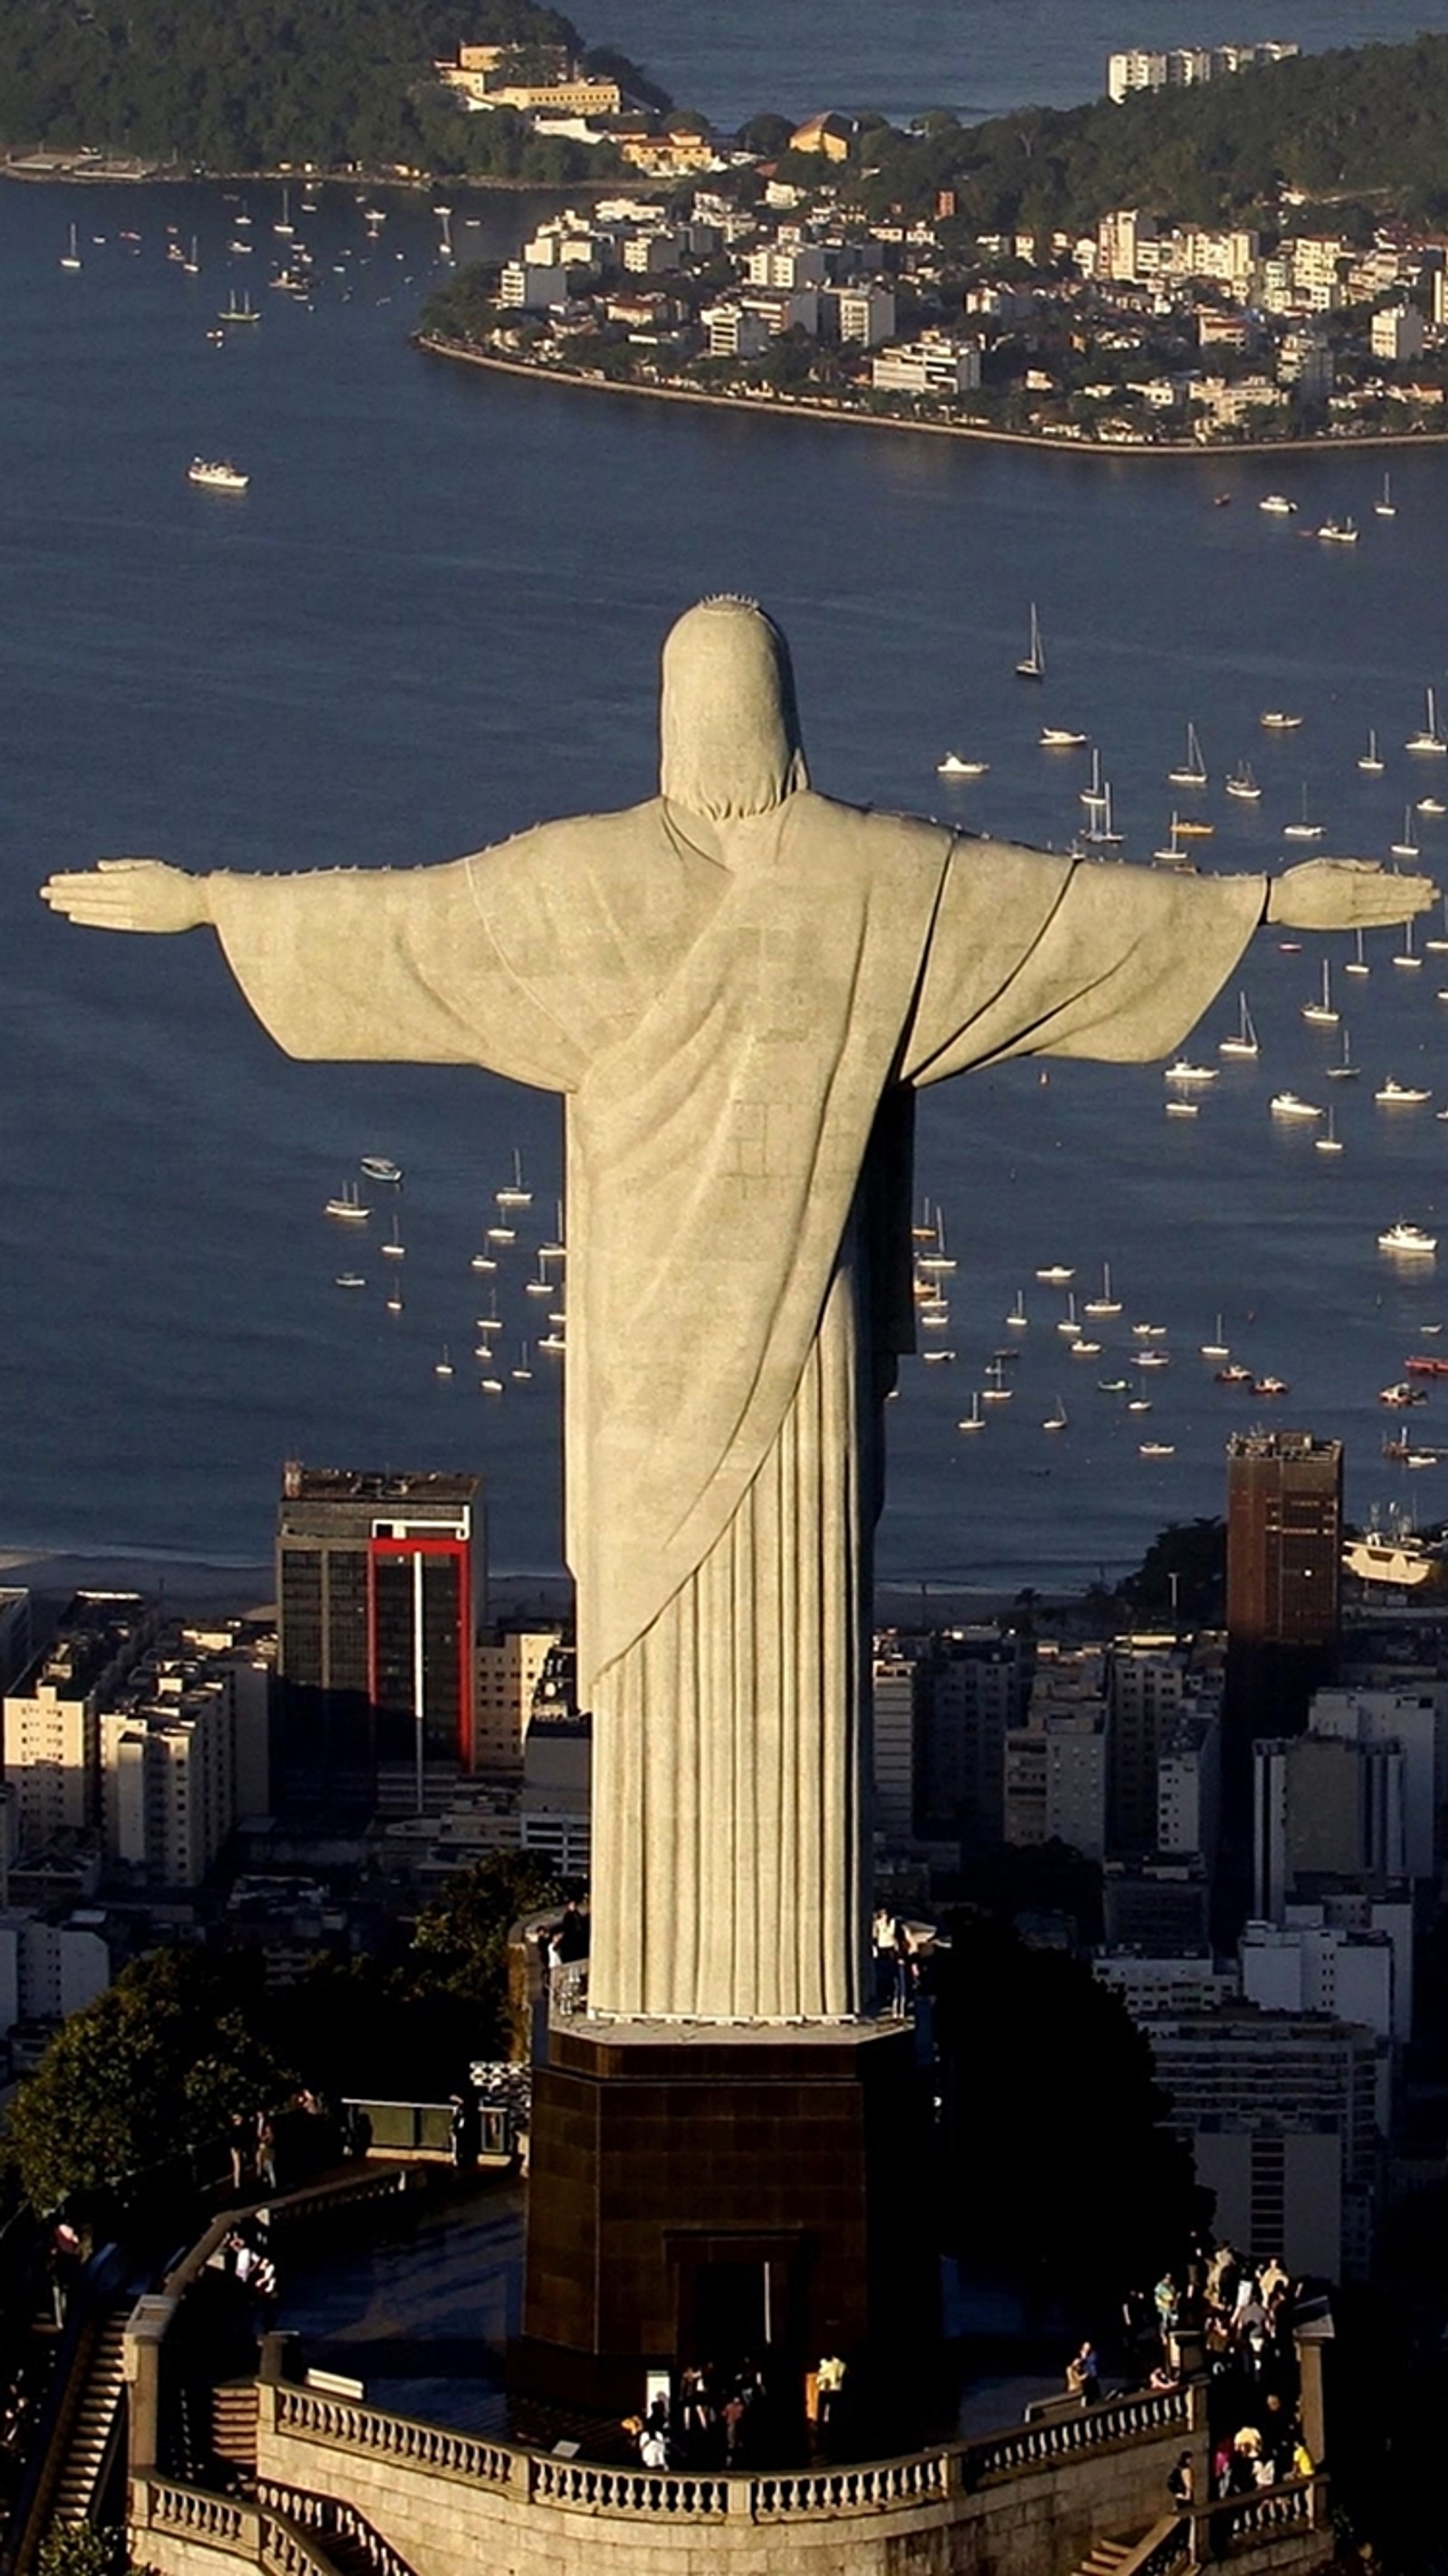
(921, 2478)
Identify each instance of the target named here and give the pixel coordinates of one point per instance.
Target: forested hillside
(1371, 123)
(263, 82)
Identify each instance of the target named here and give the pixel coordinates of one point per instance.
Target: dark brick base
(708, 2197)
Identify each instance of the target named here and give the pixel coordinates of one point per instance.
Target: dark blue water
(434, 618)
(974, 56)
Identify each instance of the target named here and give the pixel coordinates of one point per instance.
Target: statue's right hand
(129, 894)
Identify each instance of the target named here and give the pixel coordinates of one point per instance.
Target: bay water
(434, 618)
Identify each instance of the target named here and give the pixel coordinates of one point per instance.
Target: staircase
(352, 2545)
(90, 2435)
(233, 2430)
(1106, 2558)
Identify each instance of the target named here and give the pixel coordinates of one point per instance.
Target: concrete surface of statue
(738, 987)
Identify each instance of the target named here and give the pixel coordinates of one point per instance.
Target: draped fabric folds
(738, 1009)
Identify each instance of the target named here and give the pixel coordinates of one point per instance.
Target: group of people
(727, 2416)
(1240, 2315)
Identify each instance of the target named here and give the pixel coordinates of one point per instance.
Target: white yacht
(1406, 1238)
(1242, 1041)
(217, 474)
(1108, 1303)
(1032, 665)
(380, 1167)
(1277, 720)
(1057, 1276)
(1182, 1069)
(1393, 1094)
(1323, 1014)
(1286, 1104)
(1062, 738)
(1277, 505)
(954, 766)
(1429, 736)
(1192, 770)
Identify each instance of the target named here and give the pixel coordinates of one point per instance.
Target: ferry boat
(217, 474)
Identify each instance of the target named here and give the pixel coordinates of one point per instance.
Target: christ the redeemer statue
(738, 987)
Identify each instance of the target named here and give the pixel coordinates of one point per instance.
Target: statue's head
(728, 730)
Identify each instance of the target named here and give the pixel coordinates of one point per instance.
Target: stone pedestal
(706, 2194)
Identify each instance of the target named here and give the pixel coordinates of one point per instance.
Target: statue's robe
(738, 1015)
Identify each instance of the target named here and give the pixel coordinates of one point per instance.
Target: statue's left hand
(1346, 894)
(129, 894)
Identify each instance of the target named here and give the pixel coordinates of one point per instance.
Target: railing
(661, 2493)
(924, 2478)
(1165, 2548)
(163, 2504)
(567, 1989)
(316, 2418)
(920, 2478)
(1239, 2522)
(334, 2518)
(426, 2128)
(1117, 2419)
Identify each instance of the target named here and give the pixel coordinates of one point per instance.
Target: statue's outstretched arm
(129, 894)
(1345, 894)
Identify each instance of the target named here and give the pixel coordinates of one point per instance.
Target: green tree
(78, 2549)
(159, 2062)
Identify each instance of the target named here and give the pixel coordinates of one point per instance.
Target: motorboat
(1286, 1104)
(1410, 1240)
(1156, 1449)
(1276, 505)
(1400, 1095)
(1062, 738)
(1277, 720)
(217, 474)
(1270, 1386)
(380, 1167)
(1179, 1108)
(1057, 1276)
(1234, 1374)
(1182, 1069)
(953, 766)
(1192, 828)
(350, 1279)
(1402, 1393)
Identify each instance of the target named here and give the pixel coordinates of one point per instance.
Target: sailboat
(1387, 507)
(1344, 1070)
(1068, 1323)
(1371, 761)
(938, 1262)
(1033, 666)
(1106, 1303)
(394, 1249)
(70, 256)
(514, 1195)
(520, 1368)
(1171, 853)
(1407, 955)
(1302, 830)
(1243, 1039)
(1101, 828)
(1018, 1319)
(1322, 1014)
(245, 311)
(191, 265)
(1094, 794)
(1218, 1348)
(975, 1419)
(1192, 771)
(1407, 848)
(1331, 1142)
(1056, 1421)
(1357, 964)
(444, 1366)
(1429, 737)
(285, 228)
(1437, 946)
(1242, 784)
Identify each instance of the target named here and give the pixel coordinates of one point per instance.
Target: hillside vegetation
(1370, 123)
(265, 83)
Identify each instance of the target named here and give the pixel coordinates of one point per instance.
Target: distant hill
(258, 83)
(1370, 123)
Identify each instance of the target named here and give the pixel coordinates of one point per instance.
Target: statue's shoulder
(874, 835)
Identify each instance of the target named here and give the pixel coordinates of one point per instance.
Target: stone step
(1104, 2557)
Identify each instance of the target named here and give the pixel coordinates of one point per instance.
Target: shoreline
(783, 406)
(156, 174)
